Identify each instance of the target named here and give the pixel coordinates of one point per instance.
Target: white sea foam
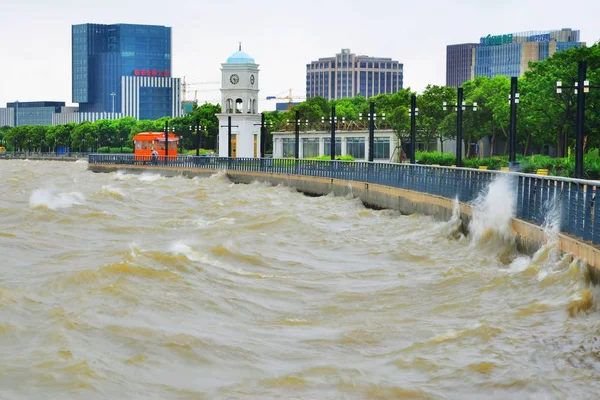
(49, 198)
(184, 249)
(122, 176)
(493, 211)
(149, 177)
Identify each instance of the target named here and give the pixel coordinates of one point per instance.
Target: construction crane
(185, 85)
(290, 98)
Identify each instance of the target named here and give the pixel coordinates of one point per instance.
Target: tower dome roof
(240, 57)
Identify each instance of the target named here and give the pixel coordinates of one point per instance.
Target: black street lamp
(371, 117)
(199, 128)
(229, 126)
(513, 100)
(413, 112)
(263, 134)
(332, 122)
(297, 123)
(460, 107)
(166, 141)
(581, 87)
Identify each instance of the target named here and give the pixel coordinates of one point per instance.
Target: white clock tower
(239, 100)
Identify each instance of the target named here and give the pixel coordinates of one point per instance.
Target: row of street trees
(108, 133)
(544, 117)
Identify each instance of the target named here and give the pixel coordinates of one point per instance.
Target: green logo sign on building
(490, 40)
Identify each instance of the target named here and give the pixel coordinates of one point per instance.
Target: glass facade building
(507, 55)
(347, 75)
(103, 54)
(459, 61)
(34, 112)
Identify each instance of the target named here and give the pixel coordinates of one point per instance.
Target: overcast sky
(281, 35)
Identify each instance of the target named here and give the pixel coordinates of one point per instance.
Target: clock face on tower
(252, 79)
(234, 79)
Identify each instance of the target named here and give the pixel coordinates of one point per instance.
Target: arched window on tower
(239, 105)
(229, 106)
(254, 106)
(249, 106)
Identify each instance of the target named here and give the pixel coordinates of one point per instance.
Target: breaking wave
(52, 200)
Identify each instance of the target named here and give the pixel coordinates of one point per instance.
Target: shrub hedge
(529, 164)
(107, 149)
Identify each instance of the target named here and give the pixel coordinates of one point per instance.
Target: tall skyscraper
(507, 55)
(125, 69)
(347, 75)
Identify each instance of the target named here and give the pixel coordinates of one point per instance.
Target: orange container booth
(145, 142)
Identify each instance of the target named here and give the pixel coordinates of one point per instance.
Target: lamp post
(297, 124)
(581, 87)
(371, 119)
(229, 126)
(263, 134)
(413, 112)
(332, 122)
(460, 107)
(513, 100)
(199, 128)
(166, 141)
(113, 94)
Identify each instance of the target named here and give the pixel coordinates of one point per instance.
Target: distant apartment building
(347, 75)
(507, 55)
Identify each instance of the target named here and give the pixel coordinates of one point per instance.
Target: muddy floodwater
(116, 286)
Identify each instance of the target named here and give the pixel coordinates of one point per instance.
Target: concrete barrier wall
(529, 236)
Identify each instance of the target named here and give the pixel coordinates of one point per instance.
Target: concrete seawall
(529, 237)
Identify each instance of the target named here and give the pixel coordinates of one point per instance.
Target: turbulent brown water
(124, 286)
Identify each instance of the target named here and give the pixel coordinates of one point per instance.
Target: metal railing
(25, 154)
(536, 195)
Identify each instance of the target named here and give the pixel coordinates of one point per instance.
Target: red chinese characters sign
(150, 72)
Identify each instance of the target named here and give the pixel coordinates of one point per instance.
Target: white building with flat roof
(354, 143)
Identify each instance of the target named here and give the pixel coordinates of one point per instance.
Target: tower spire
(240, 45)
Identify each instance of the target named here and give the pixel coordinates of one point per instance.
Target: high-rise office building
(459, 61)
(507, 55)
(347, 75)
(125, 69)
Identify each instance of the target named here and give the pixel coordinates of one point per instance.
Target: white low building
(354, 143)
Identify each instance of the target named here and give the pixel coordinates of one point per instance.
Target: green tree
(556, 111)
(431, 113)
(85, 135)
(36, 136)
(123, 128)
(4, 130)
